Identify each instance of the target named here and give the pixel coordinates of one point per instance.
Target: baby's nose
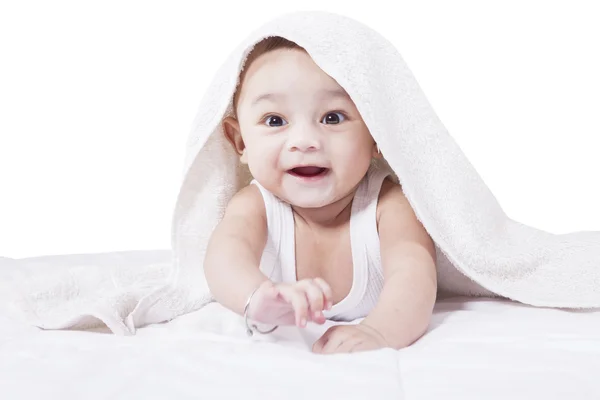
(304, 142)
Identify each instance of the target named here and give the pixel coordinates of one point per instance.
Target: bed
(476, 348)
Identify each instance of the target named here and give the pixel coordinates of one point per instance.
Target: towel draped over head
(479, 249)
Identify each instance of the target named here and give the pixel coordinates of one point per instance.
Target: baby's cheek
(255, 169)
(261, 168)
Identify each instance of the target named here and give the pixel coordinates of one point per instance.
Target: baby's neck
(330, 216)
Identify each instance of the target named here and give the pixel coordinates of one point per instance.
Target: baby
(344, 240)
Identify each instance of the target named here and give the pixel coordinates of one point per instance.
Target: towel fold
(480, 250)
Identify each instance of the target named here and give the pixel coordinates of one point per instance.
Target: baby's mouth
(308, 171)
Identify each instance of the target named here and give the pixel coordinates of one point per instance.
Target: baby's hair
(264, 46)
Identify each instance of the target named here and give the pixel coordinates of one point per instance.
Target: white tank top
(278, 260)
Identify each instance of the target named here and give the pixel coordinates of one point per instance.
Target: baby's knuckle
(321, 280)
(282, 286)
(300, 297)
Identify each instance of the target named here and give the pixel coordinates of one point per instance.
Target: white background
(97, 98)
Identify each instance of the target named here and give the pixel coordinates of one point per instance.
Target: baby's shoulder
(391, 198)
(248, 201)
(390, 189)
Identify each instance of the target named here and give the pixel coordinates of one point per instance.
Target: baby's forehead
(288, 76)
(284, 68)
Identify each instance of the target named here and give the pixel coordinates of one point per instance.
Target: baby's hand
(349, 339)
(291, 303)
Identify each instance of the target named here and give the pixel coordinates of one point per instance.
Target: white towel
(480, 251)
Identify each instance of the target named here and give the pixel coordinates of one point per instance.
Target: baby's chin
(308, 199)
(309, 203)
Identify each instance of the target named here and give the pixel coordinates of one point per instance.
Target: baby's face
(299, 132)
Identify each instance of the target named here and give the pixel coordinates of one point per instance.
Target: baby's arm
(405, 305)
(232, 269)
(232, 260)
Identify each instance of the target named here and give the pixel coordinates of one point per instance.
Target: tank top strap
(376, 178)
(275, 260)
(364, 239)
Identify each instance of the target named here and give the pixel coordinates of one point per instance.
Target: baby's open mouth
(308, 171)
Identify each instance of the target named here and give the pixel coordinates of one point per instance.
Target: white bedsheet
(475, 349)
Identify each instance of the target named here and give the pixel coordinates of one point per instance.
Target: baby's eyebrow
(325, 92)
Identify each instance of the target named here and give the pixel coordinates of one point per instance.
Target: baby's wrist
(255, 288)
(376, 331)
(251, 328)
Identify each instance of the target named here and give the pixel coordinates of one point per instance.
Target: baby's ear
(244, 157)
(376, 151)
(231, 129)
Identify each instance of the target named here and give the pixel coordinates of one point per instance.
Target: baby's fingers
(316, 300)
(298, 300)
(327, 292)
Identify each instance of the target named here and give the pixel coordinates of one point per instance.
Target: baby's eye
(334, 120)
(275, 117)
